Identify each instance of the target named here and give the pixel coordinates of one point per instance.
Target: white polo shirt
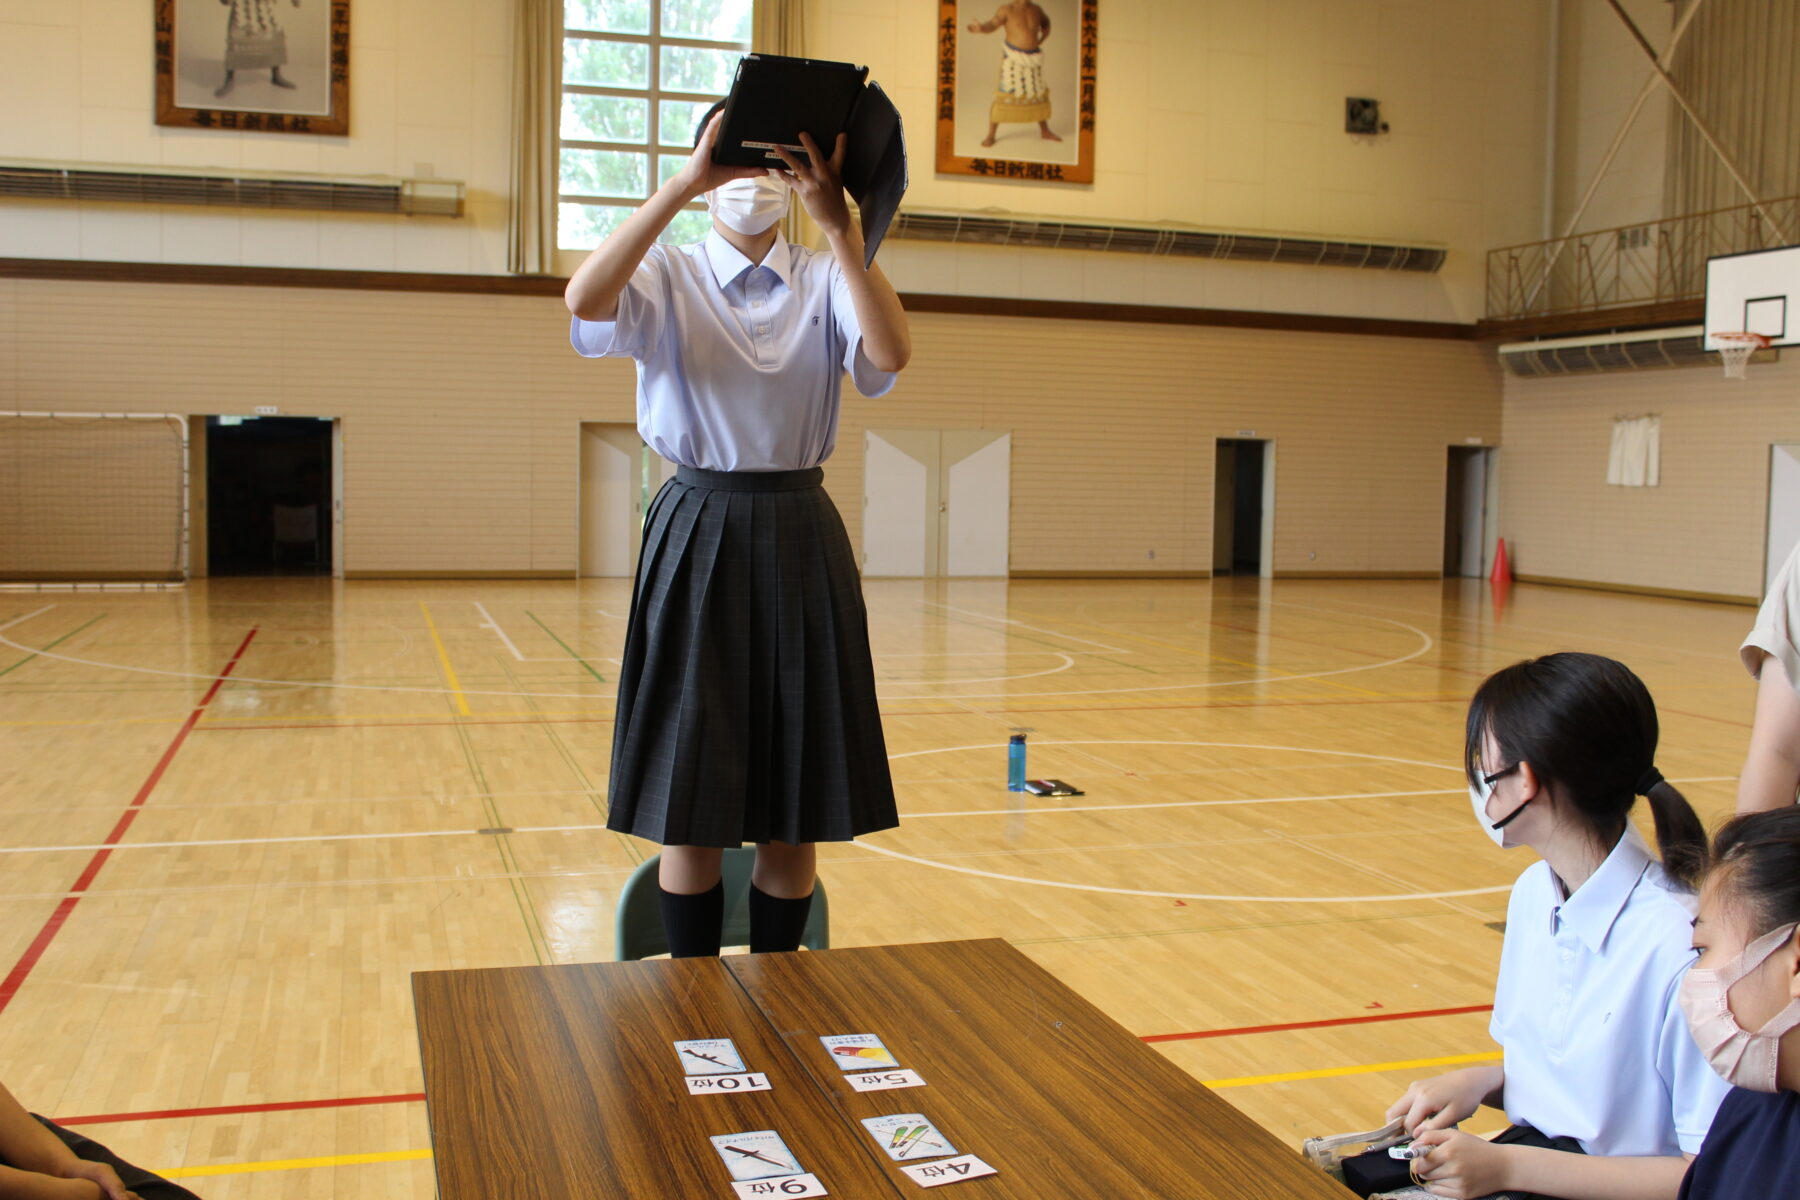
(740, 364)
(1595, 1044)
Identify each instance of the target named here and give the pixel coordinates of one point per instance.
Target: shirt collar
(728, 262)
(1596, 904)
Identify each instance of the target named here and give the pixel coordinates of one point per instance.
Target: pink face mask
(1743, 1059)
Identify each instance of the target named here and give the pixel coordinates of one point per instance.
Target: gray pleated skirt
(746, 705)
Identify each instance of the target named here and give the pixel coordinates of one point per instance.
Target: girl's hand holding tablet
(820, 184)
(700, 174)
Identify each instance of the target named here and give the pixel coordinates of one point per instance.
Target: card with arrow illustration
(758, 1155)
(710, 1056)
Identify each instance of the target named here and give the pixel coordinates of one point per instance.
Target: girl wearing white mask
(1742, 1001)
(1596, 1055)
(746, 708)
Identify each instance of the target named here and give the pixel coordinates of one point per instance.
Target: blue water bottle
(1015, 763)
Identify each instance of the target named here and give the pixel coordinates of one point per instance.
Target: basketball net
(1736, 348)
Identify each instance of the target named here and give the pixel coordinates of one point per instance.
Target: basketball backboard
(1756, 292)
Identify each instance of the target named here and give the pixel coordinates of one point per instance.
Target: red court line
(1366, 1020)
(1704, 717)
(226, 1110)
(958, 712)
(15, 979)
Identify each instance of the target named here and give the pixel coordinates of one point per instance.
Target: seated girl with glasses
(1606, 1092)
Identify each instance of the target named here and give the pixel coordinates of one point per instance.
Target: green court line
(59, 641)
(565, 646)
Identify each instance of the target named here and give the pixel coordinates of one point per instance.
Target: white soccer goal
(93, 500)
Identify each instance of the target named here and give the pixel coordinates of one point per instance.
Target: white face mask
(1479, 791)
(1743, 1059)
(750, 206)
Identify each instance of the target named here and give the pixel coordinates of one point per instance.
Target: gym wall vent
(985, 229)
(1642, 350)
(211, 188)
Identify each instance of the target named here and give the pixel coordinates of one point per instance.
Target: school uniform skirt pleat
(746, 705)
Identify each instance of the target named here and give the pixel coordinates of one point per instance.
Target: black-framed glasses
(1497, 776)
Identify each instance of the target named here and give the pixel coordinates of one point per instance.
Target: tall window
(637, 75)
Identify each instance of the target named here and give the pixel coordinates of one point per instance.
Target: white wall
(429, 87)
(1702, 530)
(1228, 114)
(1220, 113)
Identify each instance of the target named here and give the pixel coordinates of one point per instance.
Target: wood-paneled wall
(461, 415)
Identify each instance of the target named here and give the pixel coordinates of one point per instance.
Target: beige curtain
(779, 27)
(1739, 66)
(1635, 458)
(536, 111)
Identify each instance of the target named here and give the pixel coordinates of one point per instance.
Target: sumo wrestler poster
(1015, 95)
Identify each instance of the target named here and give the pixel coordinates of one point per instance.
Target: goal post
(93, 498)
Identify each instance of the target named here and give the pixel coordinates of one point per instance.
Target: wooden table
(563, 1081)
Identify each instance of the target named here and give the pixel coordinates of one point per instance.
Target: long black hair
(1587, 724)
(1760, 856)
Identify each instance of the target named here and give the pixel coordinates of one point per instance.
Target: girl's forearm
(886, 338)
(593, 291)
(1594, 1177)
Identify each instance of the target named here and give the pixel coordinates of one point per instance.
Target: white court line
(1216, 898)
(1075, 808)
(1425, 647)
(1067, 663)
(488, 622)
(1411, 762)
(21, 620)
(601, 827)
(1067, 637)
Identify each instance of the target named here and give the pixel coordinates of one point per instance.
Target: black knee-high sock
(776, 924)
(692, 922)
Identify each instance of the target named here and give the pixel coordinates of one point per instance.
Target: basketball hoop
(1736, 348)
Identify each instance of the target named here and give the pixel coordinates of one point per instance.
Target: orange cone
(1502, 572)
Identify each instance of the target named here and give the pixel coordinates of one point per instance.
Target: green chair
(638, 927)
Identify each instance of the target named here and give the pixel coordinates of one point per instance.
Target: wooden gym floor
(234, 819)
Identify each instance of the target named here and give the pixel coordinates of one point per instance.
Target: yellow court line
(1409, 1064)
(462, 703)
(296, 1164)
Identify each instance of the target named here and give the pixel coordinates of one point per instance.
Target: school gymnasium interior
(317, 538)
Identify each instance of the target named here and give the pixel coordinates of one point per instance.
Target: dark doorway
(268, 492)
(1238, 506)
(1465, 511)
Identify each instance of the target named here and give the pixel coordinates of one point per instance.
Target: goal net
(91, 498)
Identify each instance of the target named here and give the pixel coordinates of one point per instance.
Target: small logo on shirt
(815, 320)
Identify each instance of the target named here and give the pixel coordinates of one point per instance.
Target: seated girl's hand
(1460, 1164)
(1442, 1100)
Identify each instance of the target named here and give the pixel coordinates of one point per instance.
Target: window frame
(653, 147)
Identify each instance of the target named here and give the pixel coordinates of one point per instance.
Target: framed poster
(1015, 94)
(280, 66)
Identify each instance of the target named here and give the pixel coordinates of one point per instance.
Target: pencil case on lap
(1329, 1153)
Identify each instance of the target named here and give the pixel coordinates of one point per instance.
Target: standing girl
(1597, 1057)
(746, 708)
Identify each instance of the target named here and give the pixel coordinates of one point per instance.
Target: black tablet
(775, 97)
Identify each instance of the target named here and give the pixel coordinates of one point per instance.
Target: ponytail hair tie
(1648, 780)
